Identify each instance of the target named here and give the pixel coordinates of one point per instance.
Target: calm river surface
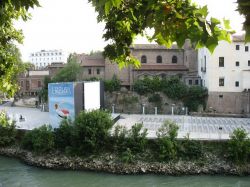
(16, 174)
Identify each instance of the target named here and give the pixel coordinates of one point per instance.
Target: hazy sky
(72, 26)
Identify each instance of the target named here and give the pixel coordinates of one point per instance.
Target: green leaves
(171, 21)
(10, 57)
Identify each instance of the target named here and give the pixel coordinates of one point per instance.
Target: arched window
(159, 59)
(174, 59)
(143, 59)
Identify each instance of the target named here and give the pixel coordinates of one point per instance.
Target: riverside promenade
(203, 128)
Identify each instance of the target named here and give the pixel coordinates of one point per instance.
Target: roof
(153, 46)
(238, 38)
(98, 62)
(162, 67)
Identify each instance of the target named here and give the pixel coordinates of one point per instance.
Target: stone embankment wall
(109, 163)
(131, 103)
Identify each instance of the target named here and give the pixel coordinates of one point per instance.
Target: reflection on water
(16, 174)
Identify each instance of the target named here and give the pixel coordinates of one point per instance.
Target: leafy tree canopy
(70, 72)
(171, 21)
(11, 10)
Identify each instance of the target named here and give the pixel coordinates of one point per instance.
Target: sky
(72, 25)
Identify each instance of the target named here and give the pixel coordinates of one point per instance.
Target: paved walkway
(212, 128)
(197, 127)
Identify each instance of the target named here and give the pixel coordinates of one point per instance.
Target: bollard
(173, 109)
(155, 110)
(186, 111)
(113, 108)
(143, 108)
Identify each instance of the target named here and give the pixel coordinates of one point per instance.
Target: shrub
(7, 130)
(127, 156)
(40, 140)
(239, 146)
(91, 131)
(190, 149)
(195, 97)
(119, 138)
(63, 135)
(155, 98)
(166, 141)
(112, 85)
(174, 88)
(136, 139)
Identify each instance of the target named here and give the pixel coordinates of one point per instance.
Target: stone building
(155, 61)
(158, 61)
(31, 82)
(226, 75)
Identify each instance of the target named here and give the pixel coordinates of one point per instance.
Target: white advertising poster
(91, 95)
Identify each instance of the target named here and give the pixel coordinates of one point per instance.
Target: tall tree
(70, 73)
(10, 66)
(170, 20)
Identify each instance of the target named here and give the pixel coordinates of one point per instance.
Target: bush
(155, 98)
(91, 131)
(7, 130)
(63, 135)
(195, 97)
(166, 141)
(112, 85)
(127, 156)
(174, 88)
(239, 146)
(136, 139)
(119, 138)
(40, 140)
(190, 149)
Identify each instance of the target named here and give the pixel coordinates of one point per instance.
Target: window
(159, 59)
(221, 81)
(246, 48)
(98, 71)
(205, 63)
(190, 82)
(21, 83)
(220, 96)
(237, 83)
(221, 61)
(237, 47)
(237, 63)
(143, 59)
(89, 71)
(196, 82)
(174, 59)
(39, 84)
(248, 62)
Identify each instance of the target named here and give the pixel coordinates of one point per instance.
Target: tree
(10, 64)
(70, 72)
(243, 8)
(171, 21)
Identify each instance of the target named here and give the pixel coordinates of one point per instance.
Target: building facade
(158, 61)
(43, 58)
(226, 75)
(31, 82)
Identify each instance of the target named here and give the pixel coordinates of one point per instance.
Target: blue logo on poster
(61, 102)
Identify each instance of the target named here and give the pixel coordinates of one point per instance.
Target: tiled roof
(98, 62)
(238, 38)
(162, 67)
(152, 46)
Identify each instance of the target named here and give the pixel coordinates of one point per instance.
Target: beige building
(226, 75)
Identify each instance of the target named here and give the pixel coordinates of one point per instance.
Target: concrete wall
(228, 102)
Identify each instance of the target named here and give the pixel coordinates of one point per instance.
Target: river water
(13, 173)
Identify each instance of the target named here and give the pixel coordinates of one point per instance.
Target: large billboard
(61, 102)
